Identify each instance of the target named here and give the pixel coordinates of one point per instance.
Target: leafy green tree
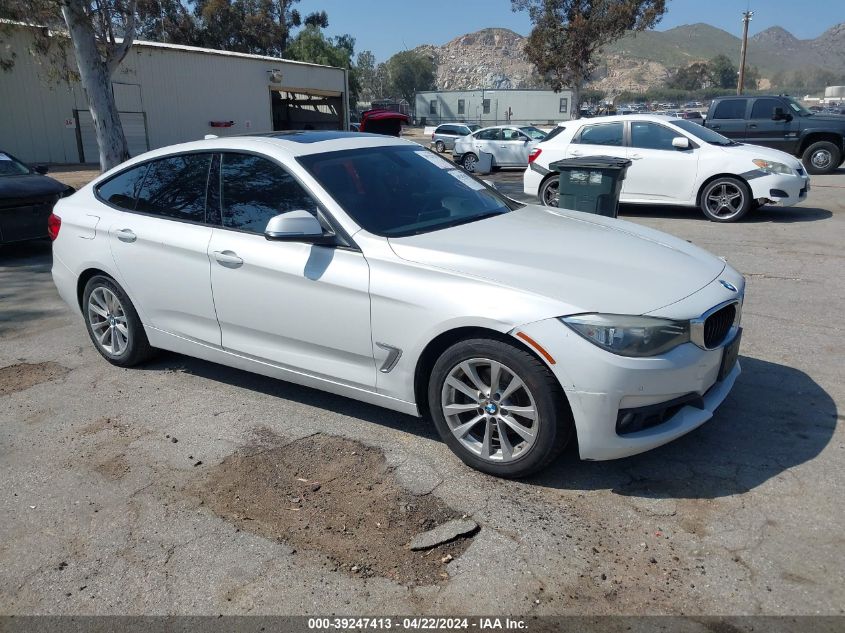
(696, 76)
(723, 71)
(367, 78)
(409, 72)
(567, 35)
(312, 45)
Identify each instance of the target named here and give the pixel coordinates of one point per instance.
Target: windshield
(474, 128)
(702, 133)
(535, 134)
(11, 167)
(395, 191)
(797, 107)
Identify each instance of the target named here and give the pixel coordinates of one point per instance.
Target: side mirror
(779, 114)
(490, 184)
(296, 226)
(41, 169)
(680, 142)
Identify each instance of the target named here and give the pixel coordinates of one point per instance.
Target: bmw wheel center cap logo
(728, 285)
(491, 408)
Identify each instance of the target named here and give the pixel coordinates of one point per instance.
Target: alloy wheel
(551, 194)
(107, 318)
(490, 410)
(469, 162)
(725, 200)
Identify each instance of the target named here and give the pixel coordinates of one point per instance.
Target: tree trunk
(576, 100)
(96, 80)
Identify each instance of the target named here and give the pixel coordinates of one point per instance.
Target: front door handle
(715, 127)
(229, 259)
(635, 156)
(126, 235)
(752, 126)
(575, 153)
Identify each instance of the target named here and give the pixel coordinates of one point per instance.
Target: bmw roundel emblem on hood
(728, 285)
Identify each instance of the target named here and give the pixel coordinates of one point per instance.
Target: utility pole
(746, 18)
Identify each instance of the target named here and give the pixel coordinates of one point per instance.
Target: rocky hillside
(495, 58)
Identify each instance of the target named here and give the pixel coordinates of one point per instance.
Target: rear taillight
(54, 224)
(534, 154)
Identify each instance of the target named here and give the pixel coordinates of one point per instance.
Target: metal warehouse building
(165, 94)
(493, 107)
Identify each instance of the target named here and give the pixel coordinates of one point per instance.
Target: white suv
(673, 162)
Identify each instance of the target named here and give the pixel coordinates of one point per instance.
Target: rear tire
(113, 323)
(440, 147)
(725, 199)
(498, 408)
(822, 157)
(549, 193)
(469, 161)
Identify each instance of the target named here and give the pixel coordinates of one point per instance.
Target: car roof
(619, 118)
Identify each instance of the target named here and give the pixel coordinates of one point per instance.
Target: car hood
(589, 263)
(766, 153)
(29, 186)
(829, 118)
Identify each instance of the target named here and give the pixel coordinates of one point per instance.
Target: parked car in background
(782, 123)
(509, 145)
(444, 136)
(368, 267)
(673, 162)
(379, 121)
(27, 197)
(691, 115)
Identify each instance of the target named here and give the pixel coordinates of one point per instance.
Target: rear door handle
(635, 156)
(575, 153)
(752, 126)
(715, 127)
(126, 235)
(229, 259)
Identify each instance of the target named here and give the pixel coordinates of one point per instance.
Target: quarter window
(255, 189)
(606, 134)
(652, 136)
(122, 190)
(175, 187)
(730, 109)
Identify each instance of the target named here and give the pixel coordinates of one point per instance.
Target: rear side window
(175, 187)
(254, 189)
(605, 134)
(730, 109)
(122, 190)
(493, 134)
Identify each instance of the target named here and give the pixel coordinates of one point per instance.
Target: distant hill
(494, 57)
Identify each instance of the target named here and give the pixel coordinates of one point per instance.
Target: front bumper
(780, 189)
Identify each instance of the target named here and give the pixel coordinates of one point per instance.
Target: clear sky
(388, 27)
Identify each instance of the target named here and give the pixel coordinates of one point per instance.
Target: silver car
(509, 145)
(445, 135)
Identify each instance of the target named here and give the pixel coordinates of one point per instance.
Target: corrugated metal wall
(180, 91)
(527, 106)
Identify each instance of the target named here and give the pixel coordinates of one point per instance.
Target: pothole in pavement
(25, 375)
(336, 497)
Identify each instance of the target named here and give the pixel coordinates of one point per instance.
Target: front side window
(461, 106)
(730, 109)
(432, 106)
(652, 136)
(606, 134)
(395, 191)
(564, 105)
(485, 105)
(765, 108)
(254, 189)
(512, 135)
(175, 187)
(122, 190)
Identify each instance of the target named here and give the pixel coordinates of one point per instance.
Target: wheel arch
(706, 182)
(815, 137)
(439, 344)
(84, 277)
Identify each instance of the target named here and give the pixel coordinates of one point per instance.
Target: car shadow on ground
(778, 215)
(776, 418)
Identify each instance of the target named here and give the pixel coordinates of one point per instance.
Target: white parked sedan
(674, 162)
(367, 266)
(510, 145)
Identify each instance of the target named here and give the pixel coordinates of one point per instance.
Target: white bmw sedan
(673, 162)
(369, 267)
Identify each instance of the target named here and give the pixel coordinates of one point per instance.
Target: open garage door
(134, 128)
(296, 109)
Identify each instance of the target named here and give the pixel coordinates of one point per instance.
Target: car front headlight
(630, 335)
(771, 167)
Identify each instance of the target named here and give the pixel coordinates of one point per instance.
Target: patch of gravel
(25, 375)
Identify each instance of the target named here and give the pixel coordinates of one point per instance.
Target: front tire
(822, 157)
(113, 323)
(498, 408)
(725, 199)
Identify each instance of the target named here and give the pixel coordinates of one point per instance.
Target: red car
(386, 122)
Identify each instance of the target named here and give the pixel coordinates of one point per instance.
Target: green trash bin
(591, 183)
